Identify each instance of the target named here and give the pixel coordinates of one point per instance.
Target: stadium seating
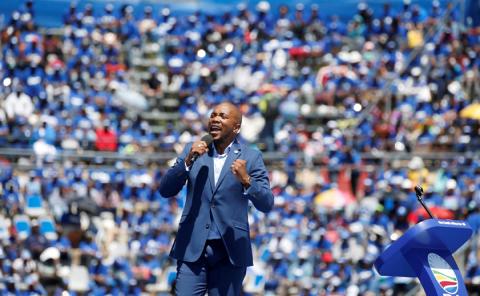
(92, 113)
(34, 206)
(22, 226)
(47, 228)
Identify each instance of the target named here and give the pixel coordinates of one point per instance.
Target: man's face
(224, 122)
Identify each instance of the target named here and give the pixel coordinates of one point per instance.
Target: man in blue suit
(213, 246)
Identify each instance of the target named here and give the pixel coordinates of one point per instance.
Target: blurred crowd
(72, 227)
(303, 79)
(397, 80)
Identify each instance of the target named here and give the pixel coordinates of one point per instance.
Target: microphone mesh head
(418, 190)
(207, 139)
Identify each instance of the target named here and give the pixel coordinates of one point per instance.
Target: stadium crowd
(303, 81)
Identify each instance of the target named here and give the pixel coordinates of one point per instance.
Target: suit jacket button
(207, 226)
(212, 206)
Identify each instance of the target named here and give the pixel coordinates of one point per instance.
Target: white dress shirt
(219, 161)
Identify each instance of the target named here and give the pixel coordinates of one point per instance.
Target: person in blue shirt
(128, 29)
(34, 80)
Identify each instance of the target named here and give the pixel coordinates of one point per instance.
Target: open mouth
(215, 129)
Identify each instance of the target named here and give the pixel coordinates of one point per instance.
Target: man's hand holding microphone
(198, 148)
(238, 168)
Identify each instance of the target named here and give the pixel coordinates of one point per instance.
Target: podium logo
(443, 273)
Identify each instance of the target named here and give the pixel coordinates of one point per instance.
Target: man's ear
(237, 129)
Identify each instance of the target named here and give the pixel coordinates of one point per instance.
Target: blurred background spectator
(353, 108)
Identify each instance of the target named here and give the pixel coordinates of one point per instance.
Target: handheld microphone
(419, 193)
(207, 139)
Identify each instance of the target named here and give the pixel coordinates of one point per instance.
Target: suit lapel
(233, 154)
(211, 176)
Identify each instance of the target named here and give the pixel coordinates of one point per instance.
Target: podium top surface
(432, 234)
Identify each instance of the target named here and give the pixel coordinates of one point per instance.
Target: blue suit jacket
(227, 202)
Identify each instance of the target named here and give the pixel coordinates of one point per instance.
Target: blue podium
(425, 251)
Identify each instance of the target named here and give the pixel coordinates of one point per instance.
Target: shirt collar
(227, 150)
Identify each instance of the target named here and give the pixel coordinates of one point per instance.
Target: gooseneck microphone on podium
(426, 251)
(419, 193)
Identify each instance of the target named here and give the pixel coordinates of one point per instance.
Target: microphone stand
(419, 193)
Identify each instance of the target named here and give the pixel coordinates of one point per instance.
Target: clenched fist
(239, 170)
